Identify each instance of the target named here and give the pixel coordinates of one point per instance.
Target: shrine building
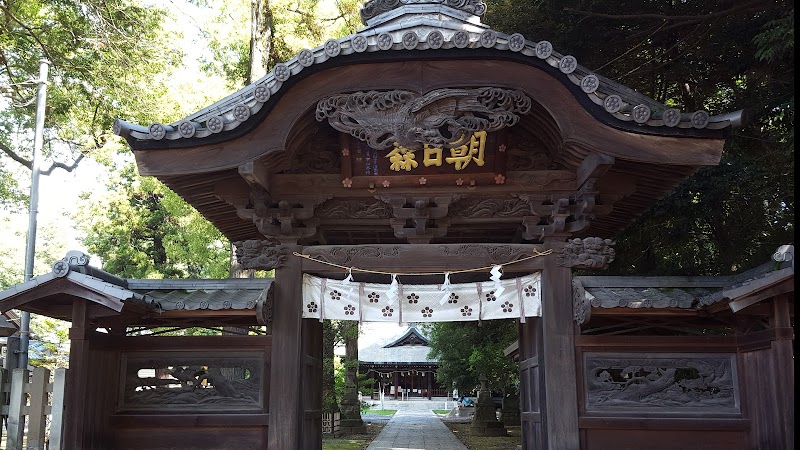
(401, 367)
(427, 168)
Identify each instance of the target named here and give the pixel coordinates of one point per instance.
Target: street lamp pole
(33, 208)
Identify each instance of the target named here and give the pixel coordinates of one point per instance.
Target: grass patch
(441, 411)
(380, 412)
(353, 441)
(511, 442)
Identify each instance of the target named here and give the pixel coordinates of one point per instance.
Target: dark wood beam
(594, 166)
(255, 174)
(418, 258)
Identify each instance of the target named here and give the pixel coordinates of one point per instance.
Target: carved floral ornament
(443, 118)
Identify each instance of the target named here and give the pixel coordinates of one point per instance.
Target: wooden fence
(29, 396)
(331, 424)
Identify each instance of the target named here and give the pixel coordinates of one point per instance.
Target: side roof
(688, 293)
(51, 294)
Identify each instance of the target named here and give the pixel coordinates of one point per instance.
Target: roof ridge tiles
(394, 31)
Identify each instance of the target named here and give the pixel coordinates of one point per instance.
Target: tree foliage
(467, 350)
(719, 55)
(104, 58)
(144, 230)
(141, 229)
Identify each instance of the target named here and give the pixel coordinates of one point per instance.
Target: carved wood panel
(667, 383)
(224, 382)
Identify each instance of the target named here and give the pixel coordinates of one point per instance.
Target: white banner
(372, 302)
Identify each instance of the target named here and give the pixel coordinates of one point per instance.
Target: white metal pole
(33, 208)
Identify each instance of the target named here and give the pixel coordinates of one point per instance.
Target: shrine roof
(412, 336)
(153, 295)
(399, 30)
(8, 323)
(375, 354)
(398, 350)
(680, 292)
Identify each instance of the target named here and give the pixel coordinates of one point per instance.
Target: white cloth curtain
(372, 302)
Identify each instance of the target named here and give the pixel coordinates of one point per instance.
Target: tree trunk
(236, 273)
(260, 39)
(329, 402)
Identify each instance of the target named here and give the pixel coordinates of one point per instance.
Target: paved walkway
(415, 430)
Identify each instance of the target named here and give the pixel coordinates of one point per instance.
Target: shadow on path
(415, 430)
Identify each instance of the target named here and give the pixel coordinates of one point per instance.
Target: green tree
(141, 229)
(718, 55)
(103, 55)
(467, 350)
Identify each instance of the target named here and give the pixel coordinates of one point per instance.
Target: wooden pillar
(557, 358)
(783, 359)
(396, 380)
(534, 432)
(286, 400)
(430, 384)
(312, 385)
(75, 420)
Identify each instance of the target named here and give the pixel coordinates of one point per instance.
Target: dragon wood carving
(645, 382)
(443, 118)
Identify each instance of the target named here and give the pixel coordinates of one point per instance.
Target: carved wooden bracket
(581, 307)
(264, 307)
(422, 212)
(561, 216)
(442, 118)
(587, 253)
(259, 255)
(286, 221)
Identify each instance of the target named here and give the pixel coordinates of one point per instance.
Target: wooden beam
(756, 285)
(655, 282)
(255, 174)
(595, 165)
(421, 257)
(784, 287)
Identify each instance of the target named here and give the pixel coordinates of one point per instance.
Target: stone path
(415, 430)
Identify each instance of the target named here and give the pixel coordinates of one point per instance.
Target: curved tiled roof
(429, 26)
(664, 292)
